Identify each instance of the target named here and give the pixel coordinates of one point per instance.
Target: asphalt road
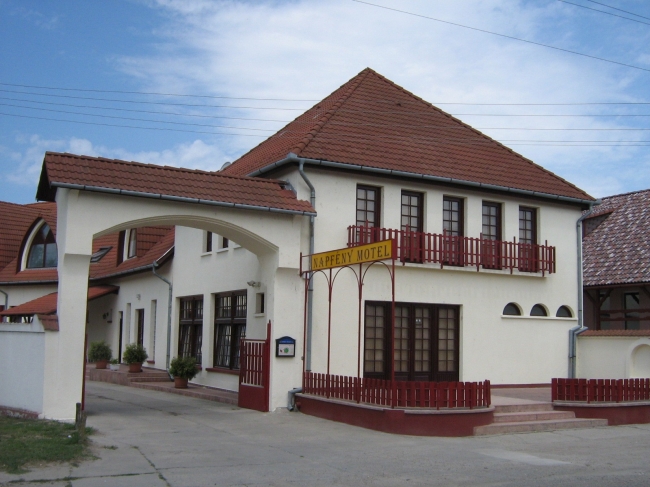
(149, 438)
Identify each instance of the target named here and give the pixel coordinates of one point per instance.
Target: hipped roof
(370, 122)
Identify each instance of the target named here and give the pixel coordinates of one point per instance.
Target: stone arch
(276, 239)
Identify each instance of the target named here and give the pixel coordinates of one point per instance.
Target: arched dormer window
(512, 309)
(132, 244)
(42, 249)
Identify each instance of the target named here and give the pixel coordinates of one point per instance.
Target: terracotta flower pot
(101, 364)
(133, 368)
(180, 383)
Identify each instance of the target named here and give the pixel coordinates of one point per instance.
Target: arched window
(42, 251)
(564, 312)
(512, 309)
(132, 248)
(538, 310)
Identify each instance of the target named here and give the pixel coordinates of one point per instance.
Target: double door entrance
(426, 341)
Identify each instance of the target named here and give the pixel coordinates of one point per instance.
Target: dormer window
(132, 246)
(42, 250)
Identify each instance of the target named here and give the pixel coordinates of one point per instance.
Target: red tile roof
(615, 333)
(154, 245)
(617, 251)
(46, 305)
(372, 122)
(164, 182)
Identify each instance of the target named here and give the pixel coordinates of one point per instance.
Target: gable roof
(617, 250)
(164, 182)
(154, 244)
(370, 122)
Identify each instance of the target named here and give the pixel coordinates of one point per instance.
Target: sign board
(285, 347)
(354, 255)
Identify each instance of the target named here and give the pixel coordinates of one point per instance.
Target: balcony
(455, 251)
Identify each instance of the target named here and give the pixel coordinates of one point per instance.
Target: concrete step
(536, 426)
(532, 416)
(164, 378)
(518, 408)
(199, 392)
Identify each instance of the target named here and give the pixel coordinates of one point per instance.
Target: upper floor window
(208, 242)
(491, 229)
(527, 225)
(412, 211)
(42, 250)
(368, 206)
(452, 216)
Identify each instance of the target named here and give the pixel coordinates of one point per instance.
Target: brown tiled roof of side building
(154, 243)
(164, 182)
(46, 305)
(617, 251)
(372, 122)
(16, 221)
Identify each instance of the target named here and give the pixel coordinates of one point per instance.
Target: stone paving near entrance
(150, 438)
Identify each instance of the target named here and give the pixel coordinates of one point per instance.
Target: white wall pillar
(63, 381)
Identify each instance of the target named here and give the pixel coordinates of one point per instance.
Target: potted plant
(114, 364)
(134, 355)
(183, 369)
(100, 353)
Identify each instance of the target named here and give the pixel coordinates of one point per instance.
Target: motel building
(374, 246)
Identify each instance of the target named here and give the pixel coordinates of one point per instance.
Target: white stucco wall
(19, 294)
(22, 362)
(607, 357)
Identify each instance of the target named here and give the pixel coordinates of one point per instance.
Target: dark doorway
(426, 341)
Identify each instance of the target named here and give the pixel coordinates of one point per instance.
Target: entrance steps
(533, 417)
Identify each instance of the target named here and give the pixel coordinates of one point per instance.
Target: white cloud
(27, 163)
(304, 49)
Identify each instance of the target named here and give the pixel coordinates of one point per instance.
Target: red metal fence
(454, 250)
(254, 373)
(601, 390)
(399, 393)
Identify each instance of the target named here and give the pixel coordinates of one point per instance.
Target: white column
(63, 378)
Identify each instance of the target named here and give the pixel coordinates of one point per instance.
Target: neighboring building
(485, 282)
(616, 249)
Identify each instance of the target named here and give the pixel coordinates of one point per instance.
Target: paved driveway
(149, 438)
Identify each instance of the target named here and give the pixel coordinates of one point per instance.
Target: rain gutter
(310, 287)
(169, 311)
(576, 330)
(293, 158)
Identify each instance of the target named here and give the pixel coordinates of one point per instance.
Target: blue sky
(584, 119)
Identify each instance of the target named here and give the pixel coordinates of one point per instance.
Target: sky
(197, 83)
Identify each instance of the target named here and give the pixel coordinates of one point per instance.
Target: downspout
(169, 314)
(310, 289)
(576, 330)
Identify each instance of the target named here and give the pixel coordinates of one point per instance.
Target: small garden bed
(26, 443)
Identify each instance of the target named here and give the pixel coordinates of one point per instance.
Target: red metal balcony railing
(600, 390)
(451, 250)
(400, 394)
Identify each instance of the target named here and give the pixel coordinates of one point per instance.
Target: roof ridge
(354, 83)
(625, 194)
(158, 166)
(413, 95)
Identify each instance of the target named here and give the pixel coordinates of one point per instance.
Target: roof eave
(293, 158)
(166, 197)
